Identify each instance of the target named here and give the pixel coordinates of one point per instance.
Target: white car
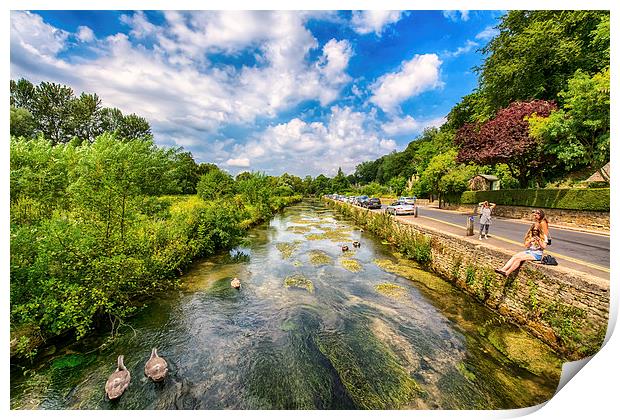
(407, 200)
(399, 208)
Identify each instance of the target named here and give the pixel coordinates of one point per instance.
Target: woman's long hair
(542, 215)
(534, 228)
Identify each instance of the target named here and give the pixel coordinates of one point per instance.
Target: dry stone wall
(565, 308)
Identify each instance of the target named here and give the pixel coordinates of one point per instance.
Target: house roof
(489, 177)
(596, 176)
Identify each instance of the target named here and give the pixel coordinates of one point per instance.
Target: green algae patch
(72, 361)
(391, 290)
(412, 271)
(287, 248)
(466, 372)
(348, 254)
(299, 281)
(336, 235)
(299, 229)
(368, 370)
(351, 264)
(319, 258)
(526, 351)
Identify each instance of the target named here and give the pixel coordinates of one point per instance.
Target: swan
(118, 381)
(156, 367)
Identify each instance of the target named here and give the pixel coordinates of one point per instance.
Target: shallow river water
(311, 327)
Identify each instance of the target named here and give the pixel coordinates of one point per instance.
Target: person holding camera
(485, 218)
(539, 217)
(535, 244)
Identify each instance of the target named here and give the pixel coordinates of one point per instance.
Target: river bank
(566, 309)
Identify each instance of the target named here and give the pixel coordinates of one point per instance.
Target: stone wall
(565, 308)
(592, 220)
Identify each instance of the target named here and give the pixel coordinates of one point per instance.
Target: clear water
(340, 345)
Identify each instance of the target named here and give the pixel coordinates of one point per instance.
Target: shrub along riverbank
(95, 231)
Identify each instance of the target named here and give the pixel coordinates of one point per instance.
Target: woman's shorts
(536, 254)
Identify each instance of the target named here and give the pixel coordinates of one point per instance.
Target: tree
(439, 166)
(215, 184)
(506, 139)
(536, 52)
(52, 111)
(134, 127)
(398, 184)
(23, 94)
(22, 123)
(340, 182)
(85, 118)
(579, 133)
(185, 172)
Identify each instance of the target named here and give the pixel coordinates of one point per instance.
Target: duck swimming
(118, 381)
(345, 248)
(356, 244)
(236, 283)
(156, 367)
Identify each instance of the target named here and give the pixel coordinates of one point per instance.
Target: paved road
(588, 247)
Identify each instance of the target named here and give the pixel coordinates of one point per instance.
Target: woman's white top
(485, 216)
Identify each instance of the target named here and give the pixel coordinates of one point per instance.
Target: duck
(156, 367)
(236, 283)
(356, 244)
(118, 381)
(345, 248)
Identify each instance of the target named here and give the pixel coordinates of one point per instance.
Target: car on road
(398, 208)
(407, 200)
(359, 201)
(372, 203)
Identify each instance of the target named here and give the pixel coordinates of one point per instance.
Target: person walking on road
(535, 245)
(485, 218)
(539, 217)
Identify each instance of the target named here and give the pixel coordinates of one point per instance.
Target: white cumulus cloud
(367, 21)
(415, 76)
(455, 15)
(488, 33)
(407, 125)
(85, 34)
(238, 162)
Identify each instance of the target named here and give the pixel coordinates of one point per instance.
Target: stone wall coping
(583, 279)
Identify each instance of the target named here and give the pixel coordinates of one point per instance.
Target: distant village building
(602, 175)
(484, 183)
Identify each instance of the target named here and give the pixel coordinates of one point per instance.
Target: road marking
(554, 254)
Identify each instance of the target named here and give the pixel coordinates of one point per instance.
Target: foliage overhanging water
(309, 328)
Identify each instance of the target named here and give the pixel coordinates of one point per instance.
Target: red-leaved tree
(506, 139)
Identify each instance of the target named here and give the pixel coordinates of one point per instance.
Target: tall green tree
(579, 133)
(536, 52)
(22, 123)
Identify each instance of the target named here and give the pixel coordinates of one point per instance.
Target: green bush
(594, 199)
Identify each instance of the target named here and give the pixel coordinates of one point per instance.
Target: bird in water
(345, 248)
(356, 244)
(156, 367)
(118, 381)
(236, 283)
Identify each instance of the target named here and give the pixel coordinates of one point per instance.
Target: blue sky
(297, 92)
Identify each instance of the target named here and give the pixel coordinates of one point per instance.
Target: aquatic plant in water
(336, 235)
(351, 264)
(391, 290)
(287, 248)
(412, 271)
(299, 281)
(368, 370)
(319, 258)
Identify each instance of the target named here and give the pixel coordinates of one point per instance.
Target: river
(311, 327)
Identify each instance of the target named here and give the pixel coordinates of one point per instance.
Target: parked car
(372, 203)
(361, 199)
(398, 208)
(407, 200)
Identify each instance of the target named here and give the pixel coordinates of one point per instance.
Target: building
(484, 183)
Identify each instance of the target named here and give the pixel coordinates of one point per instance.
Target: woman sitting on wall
(535, 245)
(539, 216)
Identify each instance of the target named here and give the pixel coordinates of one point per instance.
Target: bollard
(415, 211)
(470, 226)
